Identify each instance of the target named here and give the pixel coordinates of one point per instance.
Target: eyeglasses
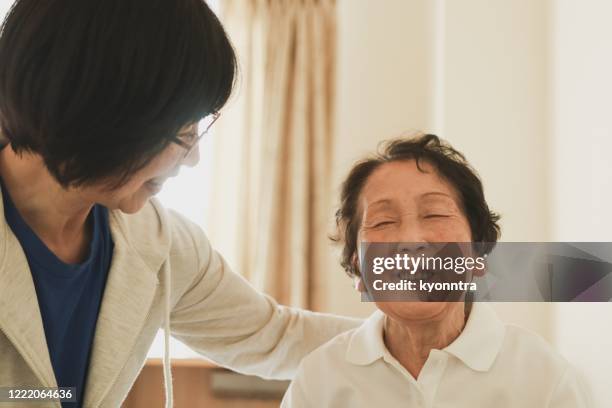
(190, 139)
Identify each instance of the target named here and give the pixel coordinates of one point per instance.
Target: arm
(224, 318)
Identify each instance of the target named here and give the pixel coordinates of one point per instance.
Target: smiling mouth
(419, 275)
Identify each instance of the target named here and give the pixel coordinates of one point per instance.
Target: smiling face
(148, 181)
(400, 203)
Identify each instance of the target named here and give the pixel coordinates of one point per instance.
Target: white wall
(459, 69)
(495, 70)
(582, 90)
(5, 5)
(495, 61)
(582, 103)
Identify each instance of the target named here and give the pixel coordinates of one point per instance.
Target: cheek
(368, 235)
(161, 165)
(128, 198)
(390, 233)
(455, 229)
(135, 187)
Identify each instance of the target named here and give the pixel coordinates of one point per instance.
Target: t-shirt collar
(477, 346)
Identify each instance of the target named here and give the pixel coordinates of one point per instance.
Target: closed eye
(382, 224)
(435, 216)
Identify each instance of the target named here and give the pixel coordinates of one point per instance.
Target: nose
(193, 158)
(411, 237)
(412, 248)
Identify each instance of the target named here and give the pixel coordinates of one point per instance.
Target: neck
(410, 342)
(57, 215)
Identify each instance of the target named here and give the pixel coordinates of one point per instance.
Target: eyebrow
(387, 201)
(379, 203)
(436, 193)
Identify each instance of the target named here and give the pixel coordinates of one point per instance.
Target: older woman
(426, 354)
(101, 102)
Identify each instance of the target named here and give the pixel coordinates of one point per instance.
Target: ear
(357, 281)
(358, 284)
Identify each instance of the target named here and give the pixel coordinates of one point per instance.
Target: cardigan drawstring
(166, 361)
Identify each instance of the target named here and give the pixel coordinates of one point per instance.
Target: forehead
(402, 180)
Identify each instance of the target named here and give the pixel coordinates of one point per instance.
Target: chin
(133, 206)
(415, 311)
(130, 210)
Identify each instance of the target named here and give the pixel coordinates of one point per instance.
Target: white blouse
(490, 364)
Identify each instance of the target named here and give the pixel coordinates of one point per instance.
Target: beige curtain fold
(273, 146)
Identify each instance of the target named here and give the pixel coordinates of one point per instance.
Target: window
(187, 194)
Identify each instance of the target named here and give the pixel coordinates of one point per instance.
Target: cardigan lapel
(128, 297)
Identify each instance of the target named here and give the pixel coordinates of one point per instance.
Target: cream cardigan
(164, 273)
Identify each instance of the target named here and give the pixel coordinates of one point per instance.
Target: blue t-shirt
(69, 295)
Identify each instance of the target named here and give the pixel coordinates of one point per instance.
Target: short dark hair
(98, 88)
(448, 162)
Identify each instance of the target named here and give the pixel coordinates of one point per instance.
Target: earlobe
(357, 281)
(480, 272)
(358, 284)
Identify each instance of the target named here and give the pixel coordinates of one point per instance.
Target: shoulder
(359, 346)
(331, 354)
(524, 351)
(487, 341)
(566, 385)
(319, 374)
(339, 359)
(532, 347)
(156, 228)
(338, 372)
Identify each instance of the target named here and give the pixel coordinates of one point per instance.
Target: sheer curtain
(271, 203)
